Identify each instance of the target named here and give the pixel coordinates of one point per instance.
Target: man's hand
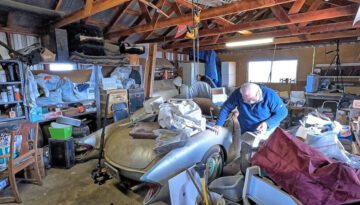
(262, 127)
(216, 129)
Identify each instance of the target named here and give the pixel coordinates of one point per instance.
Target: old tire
(215, 157)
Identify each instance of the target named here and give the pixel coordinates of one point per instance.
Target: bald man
(260, 109)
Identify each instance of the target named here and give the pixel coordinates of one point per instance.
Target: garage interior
(212, 102)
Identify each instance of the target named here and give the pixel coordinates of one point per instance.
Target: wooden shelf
(11, 119)
(8, 103)
(67, 103)
(344, 77)
(76, 115)
(333, 65)
(11, 83)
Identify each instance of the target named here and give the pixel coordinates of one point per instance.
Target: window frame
(272, 62)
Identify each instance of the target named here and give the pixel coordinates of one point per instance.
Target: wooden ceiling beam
(96, 7)
(296, 7)
(267, 23)
(58, 5)
(187, 4)
(115, 19)
(133, 13)
(155, 19)
(236, 7)
(314, 6)
(283, 17)
(294, 18)
(145, 12)
(288, 40)
(277, 33)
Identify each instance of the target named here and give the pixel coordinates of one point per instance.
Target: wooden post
(150, 70)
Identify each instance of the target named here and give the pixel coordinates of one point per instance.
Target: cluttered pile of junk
(170, 150)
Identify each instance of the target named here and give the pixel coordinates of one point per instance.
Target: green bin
(60, 133)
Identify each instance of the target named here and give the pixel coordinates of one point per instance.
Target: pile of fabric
(87, 45)
(44, 89)
(317, 169)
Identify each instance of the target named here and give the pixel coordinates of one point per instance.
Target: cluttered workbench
(322, 95)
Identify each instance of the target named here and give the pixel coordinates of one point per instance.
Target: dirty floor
(74, 187)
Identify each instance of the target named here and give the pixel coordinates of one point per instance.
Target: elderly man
(260, 109)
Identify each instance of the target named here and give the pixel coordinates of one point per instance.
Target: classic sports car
(135, 159)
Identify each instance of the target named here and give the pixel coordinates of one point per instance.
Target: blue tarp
(212, 65)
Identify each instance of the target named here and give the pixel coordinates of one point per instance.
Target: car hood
(125, 152)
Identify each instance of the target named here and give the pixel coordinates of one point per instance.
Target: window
(262, 72)
(62, 66)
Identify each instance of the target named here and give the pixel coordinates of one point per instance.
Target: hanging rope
(272, 64)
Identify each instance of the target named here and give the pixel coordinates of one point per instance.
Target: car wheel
(215, 158)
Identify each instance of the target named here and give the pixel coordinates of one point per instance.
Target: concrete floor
(74, 186)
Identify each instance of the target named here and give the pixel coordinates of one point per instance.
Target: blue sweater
(270, 110)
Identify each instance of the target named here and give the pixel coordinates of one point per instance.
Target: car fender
(184, 157)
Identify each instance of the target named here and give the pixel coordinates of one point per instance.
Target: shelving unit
(18, 82)
(78, 76)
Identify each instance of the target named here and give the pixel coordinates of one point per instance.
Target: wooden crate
(115, 96)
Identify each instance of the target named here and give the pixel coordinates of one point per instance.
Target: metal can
(17, 94)
(4, 97)
(10, 94)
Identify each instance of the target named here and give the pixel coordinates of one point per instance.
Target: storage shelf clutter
(12, 91)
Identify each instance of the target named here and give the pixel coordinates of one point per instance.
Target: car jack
(99, 174)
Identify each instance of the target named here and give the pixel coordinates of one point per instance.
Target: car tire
(215, 157)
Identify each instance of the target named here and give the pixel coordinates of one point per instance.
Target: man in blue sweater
(260, 109)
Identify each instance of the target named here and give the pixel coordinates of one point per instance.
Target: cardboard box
(356, 104)
(352, 90)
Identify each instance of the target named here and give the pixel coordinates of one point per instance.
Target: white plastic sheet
(181, 115)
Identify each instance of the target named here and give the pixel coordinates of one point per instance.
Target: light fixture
(250, 42)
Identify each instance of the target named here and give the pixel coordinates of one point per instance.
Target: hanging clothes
(212, 65)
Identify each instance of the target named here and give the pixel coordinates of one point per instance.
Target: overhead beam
(267, 23)
(283, 17)
(289, 40)
(145, 12)
(296, 7)
(236, 7)
(31, 9)
(115, 19)
(97, 7)
(314, 6)
(277, 33)
(294, 19)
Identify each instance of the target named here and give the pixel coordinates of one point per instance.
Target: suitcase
(136, 99)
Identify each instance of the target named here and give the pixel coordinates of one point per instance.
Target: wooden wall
(349, 53)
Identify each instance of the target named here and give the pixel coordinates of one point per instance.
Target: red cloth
(305, 173)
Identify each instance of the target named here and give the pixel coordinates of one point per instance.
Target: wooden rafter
(313, 37)
(296, 7)
(277, 33)
(58, 5)
(205, 14)
(157, 9)
(268, 23)
(145, 12)
(314, 6)
(295, 18)
(115, 19)
(96, 7)
(283, 17)
(155, 19)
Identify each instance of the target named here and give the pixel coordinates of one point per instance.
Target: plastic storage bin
(60, 133)
(231, 187)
